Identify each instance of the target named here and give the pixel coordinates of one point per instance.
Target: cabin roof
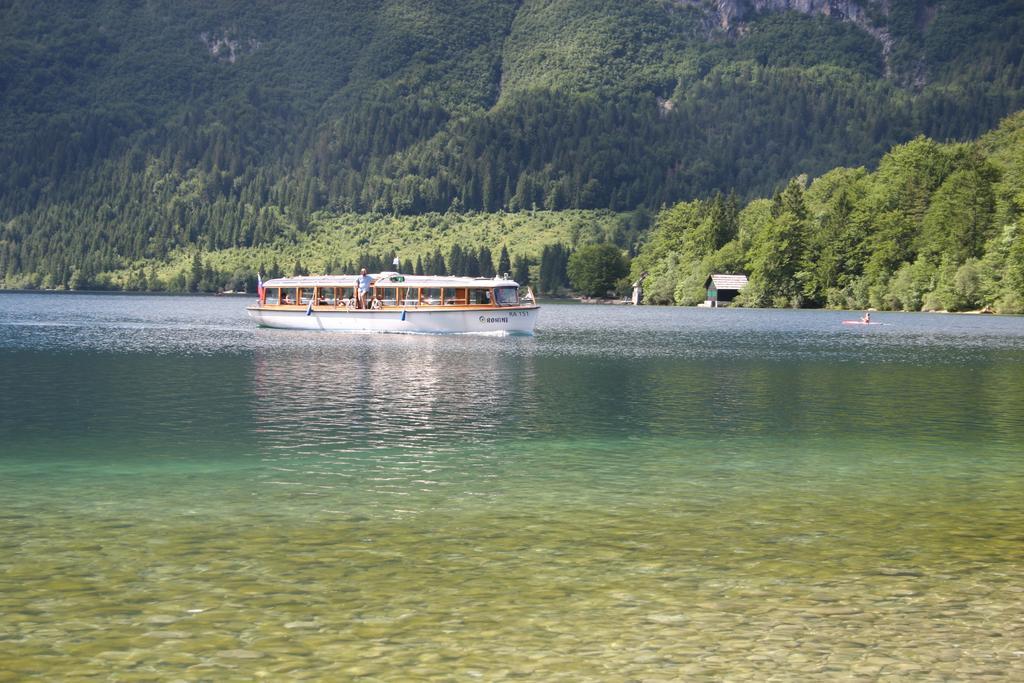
(389, 279)
(736, 282)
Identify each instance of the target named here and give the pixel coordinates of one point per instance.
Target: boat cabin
(422, 304)
(389, 291)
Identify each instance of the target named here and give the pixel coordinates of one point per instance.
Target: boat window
(388, 295)
(287, 295)
(407, 296)
(455, 296)
(430, 296)
(307, 295)
(273, 295)
(506, 296)
(325, 296)
(480, 297)
(345, 296)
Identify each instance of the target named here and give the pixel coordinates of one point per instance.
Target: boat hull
(518, 320)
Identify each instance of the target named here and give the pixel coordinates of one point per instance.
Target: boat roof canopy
(391, 279)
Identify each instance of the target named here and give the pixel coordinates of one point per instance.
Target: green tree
(554, 262)
(594, 269)
(777, 253)
(957, 288)
(457, 264)
(1011, 299)
(714, 224)
(960, 218)
(195, 276)
(438, 265)
(668, 251)
(504, 263)
(486, 262)
(909, 286)
(834, 254)
(521, 270)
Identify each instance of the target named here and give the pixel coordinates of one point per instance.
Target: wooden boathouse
(722, 289)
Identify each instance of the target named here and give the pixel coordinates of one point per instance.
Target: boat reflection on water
(378, 415)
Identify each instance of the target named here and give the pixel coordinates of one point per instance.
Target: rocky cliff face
(730, 11)
(227, 47)
(730, 15)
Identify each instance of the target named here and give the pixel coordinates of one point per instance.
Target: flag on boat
(403, 314)
(309, 308)
(259, 286)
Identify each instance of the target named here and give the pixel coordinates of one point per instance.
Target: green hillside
(133, 132)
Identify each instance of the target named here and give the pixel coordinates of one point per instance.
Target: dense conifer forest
(186, 145)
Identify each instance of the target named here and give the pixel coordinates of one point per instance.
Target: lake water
(633, 494)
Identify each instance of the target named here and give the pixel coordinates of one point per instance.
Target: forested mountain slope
(129, 130)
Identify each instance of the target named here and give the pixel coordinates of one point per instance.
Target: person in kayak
(866, 318)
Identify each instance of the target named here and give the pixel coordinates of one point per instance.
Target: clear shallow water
(633, 494)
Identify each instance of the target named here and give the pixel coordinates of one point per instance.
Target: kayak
(860, 322)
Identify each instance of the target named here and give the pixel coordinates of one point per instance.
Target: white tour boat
(396, 303)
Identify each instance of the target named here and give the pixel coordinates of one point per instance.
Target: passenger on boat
(363, 283)
(285, 299)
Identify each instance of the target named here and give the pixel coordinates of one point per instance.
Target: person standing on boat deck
(362, 288)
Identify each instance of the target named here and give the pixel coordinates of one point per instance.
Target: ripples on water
(178, 325)
(634, 493)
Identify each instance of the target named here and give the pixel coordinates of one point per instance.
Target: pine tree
(471, 263)
(521, 270)
(553, 268)
(195, 276)
(456, 261)
(504, 264)
(486, 267)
